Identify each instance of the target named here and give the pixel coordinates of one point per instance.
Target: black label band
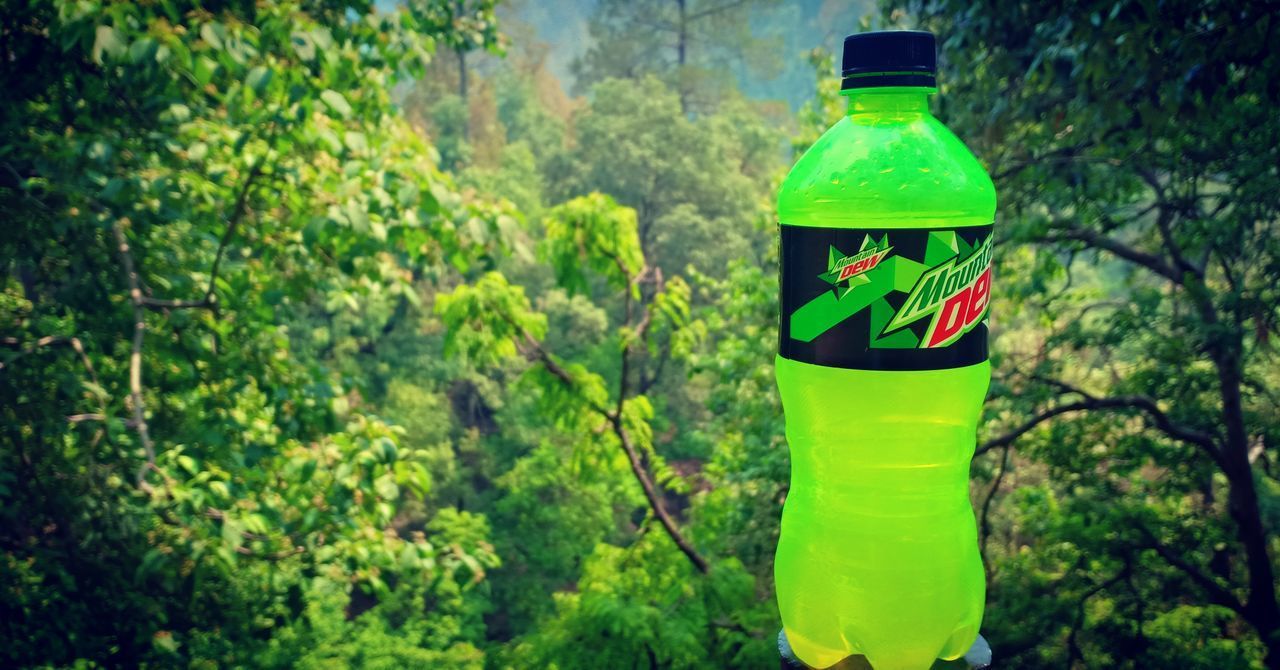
(885, 298)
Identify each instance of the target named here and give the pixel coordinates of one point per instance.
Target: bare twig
(237, 215)
(715, 10)
(135, 356)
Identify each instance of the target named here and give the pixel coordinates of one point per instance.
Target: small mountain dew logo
(955, 294)
(851, 268)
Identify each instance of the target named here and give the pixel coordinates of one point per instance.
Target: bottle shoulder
(887, 172)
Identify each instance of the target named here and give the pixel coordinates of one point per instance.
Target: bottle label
(885, 298)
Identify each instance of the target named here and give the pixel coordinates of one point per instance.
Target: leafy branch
(78, 347)
(493, 320)
(238, 212)
(534, 351)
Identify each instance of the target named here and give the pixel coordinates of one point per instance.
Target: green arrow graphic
(820, 314)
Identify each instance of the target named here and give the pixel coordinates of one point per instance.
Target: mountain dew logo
(912, 288)
(955, 294)
(843, 268)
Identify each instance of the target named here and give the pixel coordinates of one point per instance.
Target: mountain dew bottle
(886, 279)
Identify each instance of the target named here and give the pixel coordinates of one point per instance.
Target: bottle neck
(892, 100)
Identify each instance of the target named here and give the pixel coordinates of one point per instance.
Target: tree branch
(1171, 245)
(647, 317)
(647, 383)
(238, 212)
(1218, 593)
(714, 10)
(1118, 248)
(78, 347)
(1090, 402)
(535, 351)
(1062, 155)
(135, 356)
(655, 502)
(985, 523)
(1073, 650)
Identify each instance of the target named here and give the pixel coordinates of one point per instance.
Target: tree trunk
(682, 33)
(1220, 562)
(682, 46)
(462, 90)
(462, 73)
(1261, 609)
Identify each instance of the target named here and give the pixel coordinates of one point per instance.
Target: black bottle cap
(889, 58)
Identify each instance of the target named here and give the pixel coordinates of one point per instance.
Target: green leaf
(303, 45)
(255, 523)
(355, 141)
(178, 113)
(142, 50)
(389, 451)
(258, 78)
(336, 102)
(107, 40)
(214, 34)
(205, 68)
(189, 464)
(386, 487)
(231, 530)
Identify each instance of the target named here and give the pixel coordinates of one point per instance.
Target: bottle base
(978, 657)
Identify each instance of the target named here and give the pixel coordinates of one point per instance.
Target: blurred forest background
(439, 333)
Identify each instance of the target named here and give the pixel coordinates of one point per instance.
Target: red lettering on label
(978, 301)
(860, 267)
(951, 318)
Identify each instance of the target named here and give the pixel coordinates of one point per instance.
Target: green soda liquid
(878, 554)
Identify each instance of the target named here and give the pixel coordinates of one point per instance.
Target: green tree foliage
(278, 390)
(183, 475)
(687, 43)
(1135, 153)
(696, 204)
(646, 600)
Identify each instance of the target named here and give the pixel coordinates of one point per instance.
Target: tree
(193, 198)
(599, 403)
(694, 183)
(492, 321)
(462, 26)
(685, 42)
(1135, 153)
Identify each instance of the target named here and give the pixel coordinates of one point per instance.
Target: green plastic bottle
(886, 251)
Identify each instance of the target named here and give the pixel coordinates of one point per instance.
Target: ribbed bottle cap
(889, 58)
